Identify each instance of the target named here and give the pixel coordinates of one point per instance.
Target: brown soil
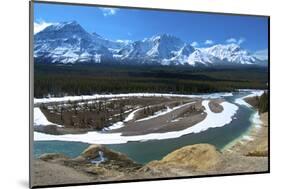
(215, 106)
(258, 145)
(48, 173)
(253, 101)
(176, 120)
(80, 118)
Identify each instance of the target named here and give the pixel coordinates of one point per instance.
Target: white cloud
(41, 25)
(236, 41)
(262, 54)
(194, 44)
(231, 40)
(209, 42)
(241, 40)
(108, 11)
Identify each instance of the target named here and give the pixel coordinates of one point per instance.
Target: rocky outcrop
(53, 157)
(94, 151)
(94, 164)
(199, 157)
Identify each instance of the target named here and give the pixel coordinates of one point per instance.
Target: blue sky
(199, 29)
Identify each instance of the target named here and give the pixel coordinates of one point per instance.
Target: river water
(143, 152)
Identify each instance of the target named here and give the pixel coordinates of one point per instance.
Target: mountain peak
(62, 25)
(233, 47)
(65, 23)
(231, 53)
(96, 35)
(164, 36)
(230, 47)
(63, 30)
(68, 42)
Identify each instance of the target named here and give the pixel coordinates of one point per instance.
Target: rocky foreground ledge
(98, 163)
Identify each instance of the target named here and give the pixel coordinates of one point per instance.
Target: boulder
(93, 152)
(195, 157)
(53, 157)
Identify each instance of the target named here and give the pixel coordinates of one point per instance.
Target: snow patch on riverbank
(120, 124)
(38, 101)
(116, 125)
(160, 113)
(131, 115)
(256, 120)
(212, 120)
(241, 101)
(176, 120)
(40, 119)
(247, 136)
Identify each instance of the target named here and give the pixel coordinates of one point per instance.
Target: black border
(31, 19)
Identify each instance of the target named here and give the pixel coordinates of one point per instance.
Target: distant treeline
(86, 79)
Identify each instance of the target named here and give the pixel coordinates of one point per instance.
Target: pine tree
(263, 103)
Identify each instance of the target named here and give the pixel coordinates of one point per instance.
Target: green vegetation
(87, 79)
(263, 103)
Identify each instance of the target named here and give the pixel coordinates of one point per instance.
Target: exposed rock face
(93, 151)
(198, 159)
(53, 157)
(194, 157)
(58, 169)
(260, 151)
(202, 159)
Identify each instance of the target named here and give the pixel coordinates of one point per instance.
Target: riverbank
(255, 142)
(98, 164)
(247, 154)
(166, 126)
(128, 115)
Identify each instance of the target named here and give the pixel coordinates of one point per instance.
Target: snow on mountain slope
(199, 56)
(231, 53)
(164, 49)
(181, 56)
(111, 45)
(68, 42)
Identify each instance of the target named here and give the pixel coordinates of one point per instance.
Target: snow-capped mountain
(223, 54)
(163, 49)
(200, 56)
(231, 53)
(68, 42)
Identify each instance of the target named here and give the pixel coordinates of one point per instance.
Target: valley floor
(244, 156)
(97, 163)
(143, 118)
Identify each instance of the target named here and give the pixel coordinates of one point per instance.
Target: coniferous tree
(263, 103)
